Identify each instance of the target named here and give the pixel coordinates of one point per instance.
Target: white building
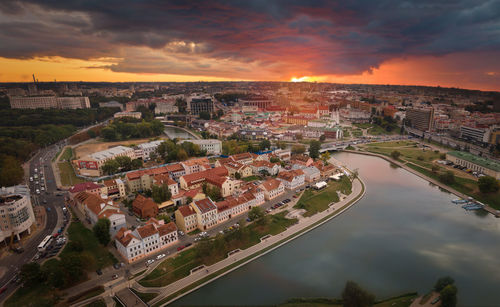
(16, 211)
(272, 188)
(91, 165)
(145, 240)
(212, 146)
(292, 179)
(144, 150)
(206, 213)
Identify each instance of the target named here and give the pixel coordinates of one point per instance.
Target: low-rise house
(311, 173)
(90, 187)
(196, 165)
(212, 146)
(235, 167)
(272, 188)
(234, 206)
(175, 171)
(206, 213)
(185, 218)
(164, 179)
(282, 154)
(95, 207)
(325, 170)
(264, 166)
(144, 150)
(196, 180)
(146, 240)
(302, 160)
(243, 158)
(144, 207)
(113, 188)
(292, 179)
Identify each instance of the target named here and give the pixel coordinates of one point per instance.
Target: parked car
(160, 256)
(150, 262)
(180, 248)
(181, 233)
(115, 276)
(99, 272)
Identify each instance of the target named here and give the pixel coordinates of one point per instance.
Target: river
(174, 132)
(402, 236)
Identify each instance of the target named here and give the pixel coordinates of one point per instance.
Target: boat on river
(460, 201)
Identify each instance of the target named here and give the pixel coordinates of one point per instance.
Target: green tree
(161, 193)
(256, 213)
(448, 177)
(136, 163)
(274, 160)
(110, 167)
(237, 175)
(314, 148)
(355, 296)
(449, 296)
(214, 193)
(298, 149)
(124, 162)
(322, 138)
(325, 156)
(488, 184)
(72, 266)
(11, 171)
(395, 155)
(189, 200)
(109, 133)
(31, 273)
(164, 217)
(264, 144)
(101, 231)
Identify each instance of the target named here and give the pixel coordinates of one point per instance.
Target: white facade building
(16, 211)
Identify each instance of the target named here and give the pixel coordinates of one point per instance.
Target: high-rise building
(16, 212)
(49, 102)
(198, 105)
(421, 119)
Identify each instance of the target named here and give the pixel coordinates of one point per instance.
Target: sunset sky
(446, 43)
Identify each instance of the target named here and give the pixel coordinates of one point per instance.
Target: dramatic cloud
(262, 40)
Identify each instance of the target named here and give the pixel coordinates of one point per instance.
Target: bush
(395, 154)
(488, 184)
(442, 282)
(355, 296)
(447, 177)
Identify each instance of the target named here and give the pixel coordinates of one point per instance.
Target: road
(14, 262)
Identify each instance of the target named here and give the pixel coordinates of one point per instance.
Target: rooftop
(484, 162)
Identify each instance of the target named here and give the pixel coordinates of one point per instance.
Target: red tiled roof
(147, 230)
(205, 205)
(186, 211)
(271, 184)
(289, 175)
(167, 228)
(84, 186)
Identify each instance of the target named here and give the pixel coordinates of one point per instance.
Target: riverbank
(487, 208)
(196, 137)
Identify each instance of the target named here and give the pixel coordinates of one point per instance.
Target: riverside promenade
(204, 276)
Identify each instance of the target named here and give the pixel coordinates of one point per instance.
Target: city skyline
(410, 43)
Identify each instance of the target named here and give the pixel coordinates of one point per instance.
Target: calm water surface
(173, 133)
(402, 236)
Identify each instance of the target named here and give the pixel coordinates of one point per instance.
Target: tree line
(124, 129)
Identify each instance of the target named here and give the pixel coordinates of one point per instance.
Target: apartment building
(185, 218)
(136, 115)
(195, 165)
(234, 206)
(49, 102)
(198, 105)
(146, 240)
(196, 180)
(113, 188)
(272, 188)
(206, 213)
(235, 167)
(16, 212)
(292, 179)
(243, 158)
(164, 179)
(143, 151)
(212, 146)
(421, 119)
(264, 166)
(476, 134)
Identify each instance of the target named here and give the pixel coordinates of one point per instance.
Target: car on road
(99, 272)
(150, 262)
(44, 201)
(3, 289)
(115, 276)
(181, 233)
(180, 248)
(160, 256)
(31, 179)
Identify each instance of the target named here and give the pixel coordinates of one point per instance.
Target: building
(235, 167)
(212, 146)
(311, 173)
(91, 165)
(146, 240)
(272, 188)
(421, 119)
(144, 150)
(234, 206)
(89, 186)
(260, 166)
(243, 158)
(196, 180)
(479, 135)
(185, 218)
(136, 115)
(303, 160)
(49, 102)
(164, 179)
(261, 102)
(111, 104)
(292, 179)
(198, 105)
(195, 165)
(475, 163)
(206, 213)
(95, 207)
(144, 207)
(113, 188)
(16, 212)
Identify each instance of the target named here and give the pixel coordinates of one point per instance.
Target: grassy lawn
(391, 144)
(357, 133)
(177, 267)
(33, 296)
(86, 294)
(98, 255)
(67, 174)
(251, 178)
(316, 201)
(67, 154)
(145, 297)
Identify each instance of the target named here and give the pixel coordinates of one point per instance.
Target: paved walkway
(276, 241)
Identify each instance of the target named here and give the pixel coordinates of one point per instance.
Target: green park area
(46, 282)
(210, 251)
(251, 178)
(408, 152)
(67, 174)
(317, 201)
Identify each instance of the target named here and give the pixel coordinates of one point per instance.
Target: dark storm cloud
(319, 37)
